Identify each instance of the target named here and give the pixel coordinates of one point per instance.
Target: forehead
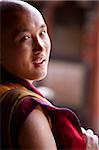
(16, 15)
(28, 19)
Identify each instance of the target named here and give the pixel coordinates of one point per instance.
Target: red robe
(66, 128)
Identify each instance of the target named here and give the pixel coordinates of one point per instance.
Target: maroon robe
(66, 128)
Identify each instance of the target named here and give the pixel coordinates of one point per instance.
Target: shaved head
(24, 40)
(10, 12)
(10, 9)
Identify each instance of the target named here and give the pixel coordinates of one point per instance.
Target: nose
(38, 45)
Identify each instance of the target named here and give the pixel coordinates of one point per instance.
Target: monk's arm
(36, 133)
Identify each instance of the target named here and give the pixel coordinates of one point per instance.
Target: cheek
(20, 58)
(48, 44)
(22, 52)
(15, 58)
(8, 56)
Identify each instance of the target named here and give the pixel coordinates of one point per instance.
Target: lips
(39, 60)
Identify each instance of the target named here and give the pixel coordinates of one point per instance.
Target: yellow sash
(22, 90)
(16, 93)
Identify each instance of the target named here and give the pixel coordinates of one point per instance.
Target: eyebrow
(24, 30)
(28, 30)
(43, 26)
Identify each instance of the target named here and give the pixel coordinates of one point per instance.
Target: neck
(30, 81)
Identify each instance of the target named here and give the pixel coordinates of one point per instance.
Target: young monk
(28, 120)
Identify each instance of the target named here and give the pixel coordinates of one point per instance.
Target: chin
(36, 77)
(41, 77)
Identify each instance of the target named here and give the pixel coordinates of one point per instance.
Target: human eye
(43, 33)
(25, 38)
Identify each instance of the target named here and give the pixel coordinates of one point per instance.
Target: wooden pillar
(91, 56)
(95, 97)
(48, 11)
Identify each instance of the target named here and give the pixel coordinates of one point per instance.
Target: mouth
(39, 61)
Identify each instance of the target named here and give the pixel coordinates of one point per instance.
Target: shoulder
(35, 132)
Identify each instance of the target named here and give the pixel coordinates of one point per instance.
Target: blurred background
(73, 74)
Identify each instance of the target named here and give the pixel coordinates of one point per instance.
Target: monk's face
(26, 45)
